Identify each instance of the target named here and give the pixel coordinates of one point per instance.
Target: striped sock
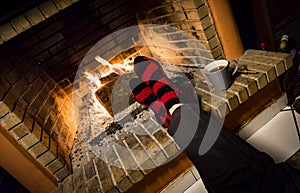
(145, 95)
(150, 70)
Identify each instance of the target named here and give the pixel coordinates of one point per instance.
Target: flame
(116, 68)
(95, 83)
(94, 80)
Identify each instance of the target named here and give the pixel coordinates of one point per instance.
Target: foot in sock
(150, 70)
(145, 95)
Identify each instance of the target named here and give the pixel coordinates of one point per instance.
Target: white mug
(219, 73)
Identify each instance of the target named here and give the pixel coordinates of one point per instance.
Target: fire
(116, 68)
(95, 79)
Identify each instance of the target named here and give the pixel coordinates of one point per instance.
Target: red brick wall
(59, 43)
(37, 70)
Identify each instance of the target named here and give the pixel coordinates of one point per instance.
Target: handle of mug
(236, 66)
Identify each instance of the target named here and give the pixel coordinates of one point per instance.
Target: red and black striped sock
(150, 70)
(167, 96)
(144, 94)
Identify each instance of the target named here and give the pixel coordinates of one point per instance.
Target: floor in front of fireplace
(277, 137)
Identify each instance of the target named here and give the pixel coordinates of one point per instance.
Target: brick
(20, 108)
(203, 11)
(46, 158)
(17, 73)
(63, 135)
(269, 71)
(46, 110)
(32, 92)
(20, 23)
(44, 45)
(29, 140)
(217, 52)
(132, 169)
(33, 73)
(147, 166)
(55, 165)
(192, 14)
(35, 16)
(214, 42)
(104, 175)
(28, 121)
(191, 25)
(260, 78)
(255, 52)
(20, 131)
(37, 131)
(249, 83)
(211, 102)
(231, 99)
(68, 184)
(205, 99)
(162, 137)
(108, 7)
(39, 120)
(150, 125)
(210, 32)
(189, 4)
(206, 22)
(201, 82)
(239, 91)
(287, 58)
(172, 149)
(78, 180)
(111, 16)
(156, 154)
(51, 29)
(15, 93)
(62, 4)
(134, 176)
(59, 188)
(7, 32)
(89, 170)
(278, 64)
(61, 153)
(140, 155)
(45, 139)
(53, 147)
(9, 120)
(48, 8)
(93, 185)
(57, 126)
(47, 90)
(35, 106)
(37, 150)
(122, 182)
(6, 66)
(62, 173)
(42, 57)
(3, 109)
(288, 61)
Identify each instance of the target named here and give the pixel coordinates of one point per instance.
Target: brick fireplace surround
(40, 53)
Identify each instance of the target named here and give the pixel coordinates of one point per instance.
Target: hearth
(65, 57)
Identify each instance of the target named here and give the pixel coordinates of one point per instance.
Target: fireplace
(53, 109)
